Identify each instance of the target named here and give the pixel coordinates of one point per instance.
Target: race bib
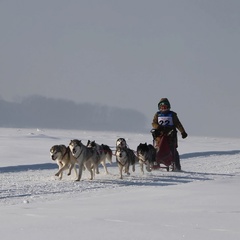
(165, 120)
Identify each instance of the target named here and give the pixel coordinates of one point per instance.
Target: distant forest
(41, 112)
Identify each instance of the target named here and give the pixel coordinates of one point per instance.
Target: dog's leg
(61, 168)
(90, 167)
(104, 166)
(109, 157)
(120, 167)
(148, 168)
(93, 170)
(96, 168)
(80, 164)
(127, 169)
(141, 166)
(75, 170)
(133, 167)
(70, 168)
(120, 171)
(95, 161)
(94, 165)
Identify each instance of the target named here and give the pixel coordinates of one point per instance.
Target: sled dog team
(90, 156)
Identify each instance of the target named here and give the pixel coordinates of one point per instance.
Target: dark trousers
(173, 146)
(176, 159)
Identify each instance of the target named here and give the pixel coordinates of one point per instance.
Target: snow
(201, 202)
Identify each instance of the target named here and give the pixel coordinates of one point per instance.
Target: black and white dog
(125, 158)
(147, 156)
(104, 152)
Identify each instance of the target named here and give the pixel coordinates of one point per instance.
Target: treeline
(41, 112)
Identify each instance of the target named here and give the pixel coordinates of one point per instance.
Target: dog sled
(164, 155)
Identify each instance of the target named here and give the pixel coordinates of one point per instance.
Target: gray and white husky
(104, 152)
(64, 159)
(125, 157)
(86, 157)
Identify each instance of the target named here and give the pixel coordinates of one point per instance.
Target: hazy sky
(129, 54)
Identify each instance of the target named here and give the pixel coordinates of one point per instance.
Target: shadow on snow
(23, 168)
(208, 154)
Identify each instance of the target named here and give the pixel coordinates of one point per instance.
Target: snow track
(41, 184)
(36, 182)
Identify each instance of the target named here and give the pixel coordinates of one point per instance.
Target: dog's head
(121, 153)
(57, 151)
(75, 146)
(91, 144)
(142, 148)
(121, 142)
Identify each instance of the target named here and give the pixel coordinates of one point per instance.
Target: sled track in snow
(31, 183)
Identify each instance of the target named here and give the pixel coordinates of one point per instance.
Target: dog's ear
(88, 142)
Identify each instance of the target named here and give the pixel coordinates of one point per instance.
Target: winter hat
(164, 101)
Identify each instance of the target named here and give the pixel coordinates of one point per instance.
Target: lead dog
(104, 152)
(64, 159)
(147, 155)
(85, 156)
(125, 157)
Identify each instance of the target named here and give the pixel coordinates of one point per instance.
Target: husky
(64, 159)
(125, 157)
(147, 156)
(104, 152)
(86, 157)
(121, 142)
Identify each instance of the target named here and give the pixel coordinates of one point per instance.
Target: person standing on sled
(166, 123)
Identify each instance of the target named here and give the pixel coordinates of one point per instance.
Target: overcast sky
(129, 54)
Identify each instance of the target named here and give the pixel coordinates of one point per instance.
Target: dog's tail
(108, 151)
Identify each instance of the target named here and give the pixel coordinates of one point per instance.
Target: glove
(155, 133)
(184, 135)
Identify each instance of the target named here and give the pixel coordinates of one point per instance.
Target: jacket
(176, 123)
